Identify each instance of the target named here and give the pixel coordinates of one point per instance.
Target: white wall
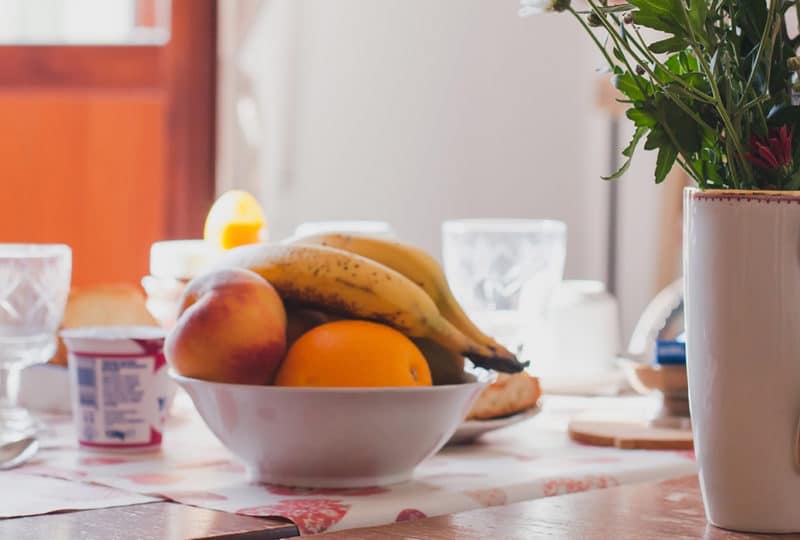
(416, 111)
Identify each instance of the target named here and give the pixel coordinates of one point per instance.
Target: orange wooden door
(109, 149)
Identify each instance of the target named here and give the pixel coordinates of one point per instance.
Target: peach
(231, 328)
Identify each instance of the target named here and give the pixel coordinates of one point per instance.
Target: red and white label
(121, 399)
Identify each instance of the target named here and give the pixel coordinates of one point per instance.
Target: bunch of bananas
(364, 277)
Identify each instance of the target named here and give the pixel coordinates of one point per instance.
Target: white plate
(469, 430)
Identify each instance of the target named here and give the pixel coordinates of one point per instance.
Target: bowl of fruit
(331, 361)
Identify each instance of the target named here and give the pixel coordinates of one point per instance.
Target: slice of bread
(508, 395)
(103, 305)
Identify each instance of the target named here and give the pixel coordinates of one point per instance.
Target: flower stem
(730, 133)
(623, 44)
(761, 46)
(689, 170)
(594, 38)
(695, 93)
(619, 44)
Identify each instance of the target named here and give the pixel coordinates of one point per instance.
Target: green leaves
(715, 76)
(697, 11)
(628, 152)
(665, 115)
(793, 183)
(671, 16)
(641, 118)
(666, 8)
(633, 86)
(657, 14)
(656, 21)
(751, 16)
(784, 114)
(679, 124)
(683, 63)
(673, 44)
(666, 159)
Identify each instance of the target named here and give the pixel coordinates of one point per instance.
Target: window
(84, 22)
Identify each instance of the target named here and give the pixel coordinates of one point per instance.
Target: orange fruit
(235, 219)
(353, 353)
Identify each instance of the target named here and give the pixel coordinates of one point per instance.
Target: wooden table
(672, 509)
(151, 521)
(656, 511)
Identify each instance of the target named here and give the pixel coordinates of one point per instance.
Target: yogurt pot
(119, 387)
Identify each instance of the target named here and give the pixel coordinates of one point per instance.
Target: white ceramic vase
(742, 286)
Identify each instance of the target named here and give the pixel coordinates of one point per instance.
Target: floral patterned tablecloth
(530, 460)
(24, 495)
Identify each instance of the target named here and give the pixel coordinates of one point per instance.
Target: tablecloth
(25, 495)
(530, 460)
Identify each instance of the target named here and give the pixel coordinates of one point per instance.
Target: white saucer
(469, 430)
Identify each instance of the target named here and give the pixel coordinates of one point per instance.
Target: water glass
(34, 285)
(496, 267)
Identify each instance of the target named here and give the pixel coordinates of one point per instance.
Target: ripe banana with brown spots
(341, 282)
(447, 367)
(418, 266)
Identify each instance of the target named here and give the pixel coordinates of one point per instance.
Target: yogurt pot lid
(114, 333)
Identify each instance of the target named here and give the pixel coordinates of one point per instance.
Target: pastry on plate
(509, 394)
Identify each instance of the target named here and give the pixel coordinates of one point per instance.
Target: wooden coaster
(629, 434)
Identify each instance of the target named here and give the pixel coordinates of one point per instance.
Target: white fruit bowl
(331, 437)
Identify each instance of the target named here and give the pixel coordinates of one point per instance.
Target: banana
(447, 367)
(418, 266)
(341, 282)
(300, 320)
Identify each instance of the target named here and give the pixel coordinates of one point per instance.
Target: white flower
(535, 7)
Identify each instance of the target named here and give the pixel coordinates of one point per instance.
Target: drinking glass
(34, 284)
(504, 271)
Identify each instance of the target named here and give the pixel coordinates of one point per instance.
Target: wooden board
(629, 434)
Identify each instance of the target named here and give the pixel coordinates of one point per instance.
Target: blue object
(671, 352)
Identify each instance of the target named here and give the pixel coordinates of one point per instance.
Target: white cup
(119, 386)
(582, 328)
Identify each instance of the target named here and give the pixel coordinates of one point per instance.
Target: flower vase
(742, 287)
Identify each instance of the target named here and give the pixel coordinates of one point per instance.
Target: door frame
(185, 68)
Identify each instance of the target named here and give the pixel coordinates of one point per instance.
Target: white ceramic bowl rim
(327, 389)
